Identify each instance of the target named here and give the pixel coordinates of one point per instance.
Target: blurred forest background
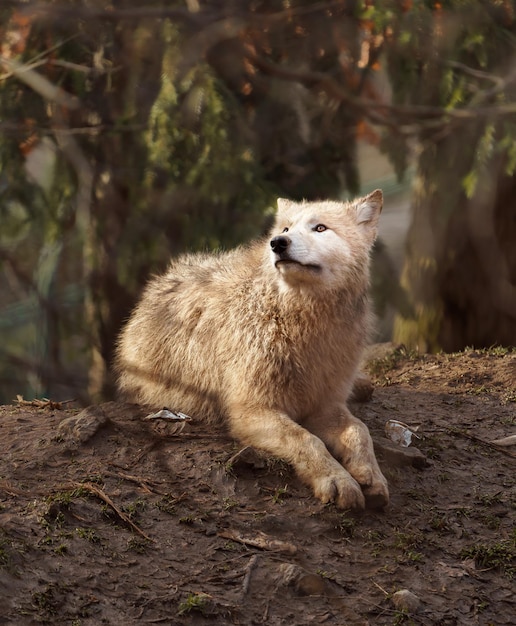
(131, 131)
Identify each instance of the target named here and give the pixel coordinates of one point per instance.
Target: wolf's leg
(349, 441)
(275, 433)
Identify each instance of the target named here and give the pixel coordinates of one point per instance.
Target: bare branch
(399, 117)
(40, 84)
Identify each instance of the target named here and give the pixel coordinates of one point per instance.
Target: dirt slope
(113, 520)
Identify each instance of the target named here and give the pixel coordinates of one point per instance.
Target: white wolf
(268, 337)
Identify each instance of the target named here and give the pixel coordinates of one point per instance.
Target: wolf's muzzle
(280, 243)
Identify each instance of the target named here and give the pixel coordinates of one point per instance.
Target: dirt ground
(106, 518)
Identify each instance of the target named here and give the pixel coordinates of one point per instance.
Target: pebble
(406, 601)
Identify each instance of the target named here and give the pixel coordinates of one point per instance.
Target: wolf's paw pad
(341, 489)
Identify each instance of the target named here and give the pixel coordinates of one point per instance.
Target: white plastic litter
(399, 432)
(176, 421)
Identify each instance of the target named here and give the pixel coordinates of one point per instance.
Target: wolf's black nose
(279, 244)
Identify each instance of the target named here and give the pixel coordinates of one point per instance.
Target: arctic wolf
(268, 338)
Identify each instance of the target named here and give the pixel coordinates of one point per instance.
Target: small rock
(405, 600)
(396, 456)
(303, 582)
(79, 428)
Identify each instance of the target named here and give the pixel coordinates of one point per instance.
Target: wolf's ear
(369, 208)
(284, 204)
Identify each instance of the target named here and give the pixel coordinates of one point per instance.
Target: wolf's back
(177, 342)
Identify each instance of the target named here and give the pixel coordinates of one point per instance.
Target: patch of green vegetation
(410, 556)
(376, 540)
(108, 513)
(345, 525)
(463, 511)
(44, 601)
(492, 522)
(230, 503)
(132, 510)
(440, 523)
(88, 533)
(229, 469)
(406, 540)
(409, 543)
(401, 616)
(489, 499)
(139, 545)
(193, 517)
(481, 390)
(379, 368)
(61, 549)
(278, 467)
(53, 518)
(193, 602)
(167, 504)
(374, 537)
(492, 351)
(279, 494)
(96, 479)
(508, 397)
(500, 555)
(61, 501)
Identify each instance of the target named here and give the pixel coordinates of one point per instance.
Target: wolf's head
(324, 244)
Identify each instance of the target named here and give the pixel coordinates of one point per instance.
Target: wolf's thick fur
(268, 338)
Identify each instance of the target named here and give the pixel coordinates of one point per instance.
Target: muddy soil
(106, 518)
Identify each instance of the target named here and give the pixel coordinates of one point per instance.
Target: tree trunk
(118, 183)
(460, 264)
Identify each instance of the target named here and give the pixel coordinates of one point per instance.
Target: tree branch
(39, 84)
(398, 117)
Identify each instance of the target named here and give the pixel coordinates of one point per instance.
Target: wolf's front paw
(377, 495)
(340, 488)
(374, 485)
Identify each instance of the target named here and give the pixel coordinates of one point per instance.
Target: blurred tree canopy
(130, 132)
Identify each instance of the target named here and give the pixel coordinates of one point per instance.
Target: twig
(488, 444)
(506, 441)
(44, 403)
(12, 491)
(105, 498)
(265, 616)
(135, 479)
(248, 573)
(260, 540)
(386, 593)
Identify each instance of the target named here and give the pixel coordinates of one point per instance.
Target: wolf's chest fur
(295, 350)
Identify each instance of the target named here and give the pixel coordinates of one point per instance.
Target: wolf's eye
(285, 230)
(320, 228)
